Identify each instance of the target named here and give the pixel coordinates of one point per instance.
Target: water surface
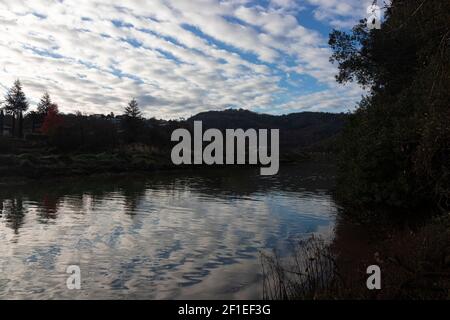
(169, 235)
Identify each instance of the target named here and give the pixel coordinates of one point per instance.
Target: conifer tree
(15, 104)
(44, 104)
(132, 109)
(132, 123)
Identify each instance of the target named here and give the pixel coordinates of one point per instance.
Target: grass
(37, 165)
(308, 274)
(414, 262)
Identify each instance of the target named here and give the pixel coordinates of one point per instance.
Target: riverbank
(44, 163)
(35, 165)
(414, 261)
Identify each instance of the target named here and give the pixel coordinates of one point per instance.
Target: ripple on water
(157, 237)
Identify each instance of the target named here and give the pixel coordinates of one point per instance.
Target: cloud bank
(177, 57)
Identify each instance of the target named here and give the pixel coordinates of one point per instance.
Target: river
(166, 235)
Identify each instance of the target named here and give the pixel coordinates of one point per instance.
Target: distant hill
(304, 131)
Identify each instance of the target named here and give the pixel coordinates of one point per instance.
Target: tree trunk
(2, 121)
(13, 125)
(20, 133)
(33, 122)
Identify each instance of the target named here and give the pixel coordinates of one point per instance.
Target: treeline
(396, 147)
(300, 133)
(78, 132)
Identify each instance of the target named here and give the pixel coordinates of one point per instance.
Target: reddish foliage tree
(52, 120)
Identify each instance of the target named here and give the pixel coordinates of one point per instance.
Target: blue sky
(177, 57)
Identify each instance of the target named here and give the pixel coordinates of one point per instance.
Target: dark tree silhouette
(132, 110)
(20, 129)
(44, 104)
(2, 121)
(35, 120)
(15, 104)
(132, 122)
(396, 148)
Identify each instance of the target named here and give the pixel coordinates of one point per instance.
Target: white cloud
(93, 56)
(343, 14)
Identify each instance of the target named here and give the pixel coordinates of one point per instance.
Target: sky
(177, 57)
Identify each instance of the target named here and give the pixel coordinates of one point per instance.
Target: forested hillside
(315, 131)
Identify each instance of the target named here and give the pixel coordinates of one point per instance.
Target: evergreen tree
(132, 110)
(132, 124)
(44, 104)
(15, 104)
(15, 99)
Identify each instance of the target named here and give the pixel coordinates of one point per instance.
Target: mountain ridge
(316, 131)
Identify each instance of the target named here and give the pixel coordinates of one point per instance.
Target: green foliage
(15, 99)
(15, 105)
(396, 147)
(44, 104)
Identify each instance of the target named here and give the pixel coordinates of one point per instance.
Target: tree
(132, 122)
(15, 99)
(396, 146)
(20, 131)
(15, 104)
(2, 121)
(132, 110)
(44, 104)
(52, 120)
(35, 120)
